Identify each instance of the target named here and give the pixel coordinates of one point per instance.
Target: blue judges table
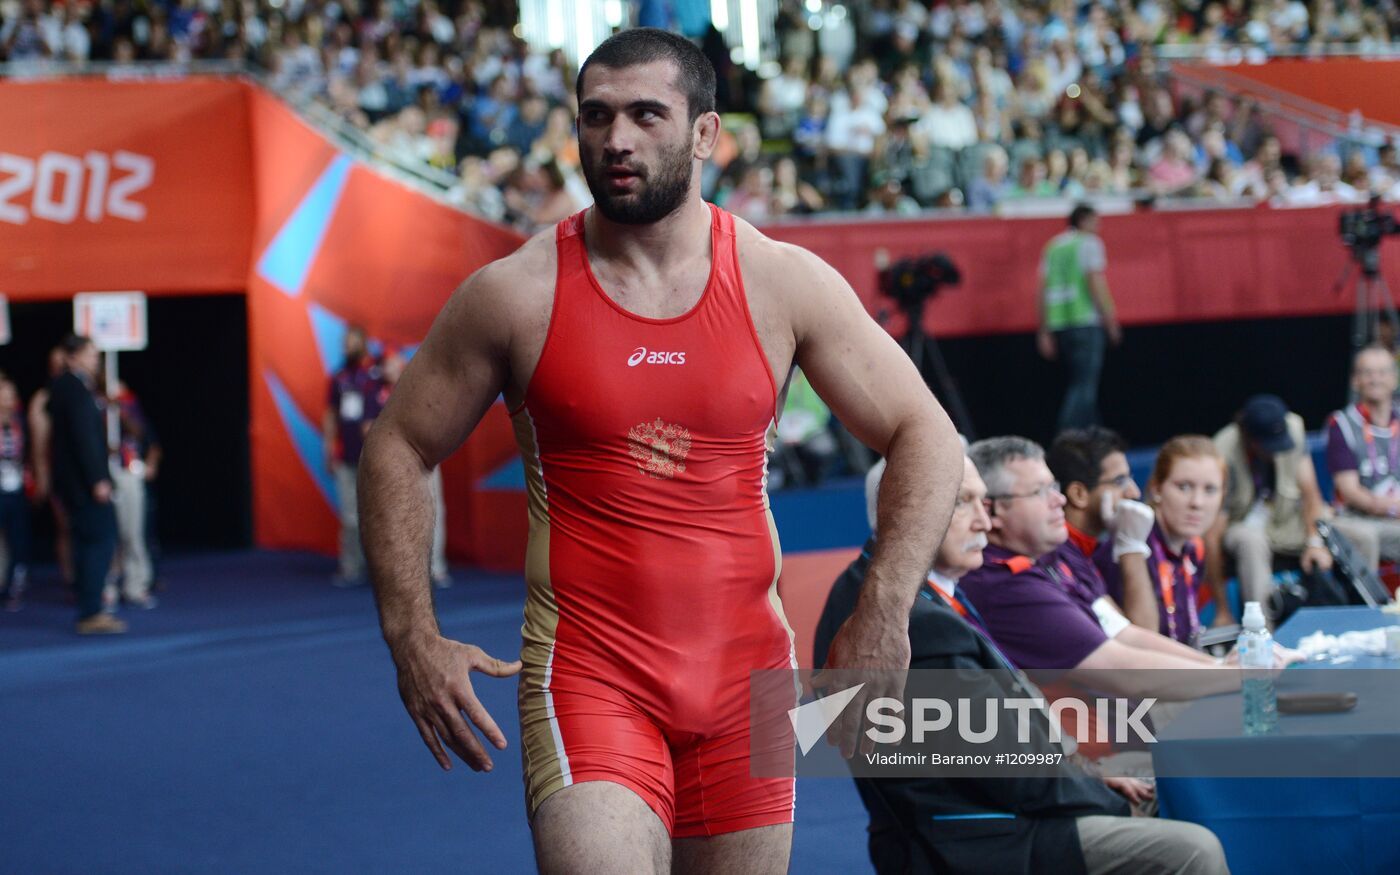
(1277, 825)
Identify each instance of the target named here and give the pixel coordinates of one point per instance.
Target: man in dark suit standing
(1070, 823)
(82, 480)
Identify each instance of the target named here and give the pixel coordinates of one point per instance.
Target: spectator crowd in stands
(950, 103)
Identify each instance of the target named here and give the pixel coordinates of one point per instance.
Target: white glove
(1130, 522)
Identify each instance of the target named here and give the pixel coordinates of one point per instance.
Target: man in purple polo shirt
(1363, 454)
(353, 390)
(1030, 601)
(1102, 499)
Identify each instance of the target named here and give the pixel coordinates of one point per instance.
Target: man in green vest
(1077, 316)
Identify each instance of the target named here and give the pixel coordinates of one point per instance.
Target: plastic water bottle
(1256, 648)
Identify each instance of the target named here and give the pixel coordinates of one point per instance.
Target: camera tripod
(924, 352)
(1372, 298)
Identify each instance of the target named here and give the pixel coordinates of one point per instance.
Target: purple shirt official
(1037, 612)
(354, 393)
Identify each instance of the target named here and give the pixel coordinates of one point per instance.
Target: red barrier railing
(1163, 267)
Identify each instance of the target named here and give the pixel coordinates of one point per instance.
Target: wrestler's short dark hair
(643, 45)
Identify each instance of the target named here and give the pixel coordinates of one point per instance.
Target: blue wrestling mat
(251, 724)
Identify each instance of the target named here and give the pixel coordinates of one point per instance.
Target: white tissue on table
(1370, 642)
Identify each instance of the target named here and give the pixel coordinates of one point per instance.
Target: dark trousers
(14, 524)
(94, 528)
(152, 542)
(848, 179)
(1081, 349)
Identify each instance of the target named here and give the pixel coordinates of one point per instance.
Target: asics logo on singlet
(641, 355)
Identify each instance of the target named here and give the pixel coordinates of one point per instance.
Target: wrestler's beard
(661, 191)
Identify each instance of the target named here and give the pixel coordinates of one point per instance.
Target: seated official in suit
(1069, 824)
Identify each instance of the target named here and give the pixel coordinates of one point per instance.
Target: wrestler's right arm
(453, 379)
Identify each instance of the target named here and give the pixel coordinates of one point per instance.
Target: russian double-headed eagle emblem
(659, 448)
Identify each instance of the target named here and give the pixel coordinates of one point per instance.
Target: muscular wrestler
(641, 346)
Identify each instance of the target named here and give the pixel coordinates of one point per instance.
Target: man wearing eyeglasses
(1101, 498)
(1038, 614)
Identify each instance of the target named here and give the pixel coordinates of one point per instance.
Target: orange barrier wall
(211, 185)
(111, 186)
(336, 243)
(1369, 86)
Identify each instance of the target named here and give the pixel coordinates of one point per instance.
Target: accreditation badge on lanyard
(11, 476)
(1166, 583)
(11, 469)
(352, 406)
(1384, 468)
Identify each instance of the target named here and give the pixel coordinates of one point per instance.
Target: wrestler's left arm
(874, 389)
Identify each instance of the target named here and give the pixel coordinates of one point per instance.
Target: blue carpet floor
(251, 724)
